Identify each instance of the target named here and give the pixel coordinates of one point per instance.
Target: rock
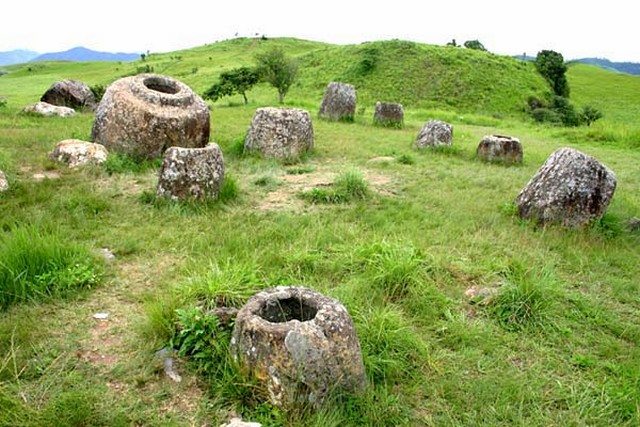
(4, 184)
(381, 159)
(571, 189)
(225, 315)
(79, 153)
(70, 93)
(389, 114)
(481, 296)
(106, 254)
(498, 148)
(143, 115)
(299, 344)
(101, 316)
(48, 110)
(237, 422)
(632, 225)
(191, 173)
(168, 364)
(339, 102)
(435, 134)
(283, 133)
(41, 176)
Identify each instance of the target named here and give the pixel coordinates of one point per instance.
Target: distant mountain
(622, 67)
(82, 54)
(17, 56)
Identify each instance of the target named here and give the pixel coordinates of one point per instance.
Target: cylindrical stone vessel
(143, 115)
(500, 149)
(388, 114)
(191, 173)
(339, 102)
(299, 344)
(435, 133)
(282, 133)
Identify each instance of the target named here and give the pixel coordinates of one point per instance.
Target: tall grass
(36, 265)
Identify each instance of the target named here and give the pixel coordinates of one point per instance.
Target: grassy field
(559, 345)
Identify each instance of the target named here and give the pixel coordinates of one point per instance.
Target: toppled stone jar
(75, 152)
(388, 114)
(70, 93)
(191, 173)
(299, 344)
(500, 149)
(339, 102)
(435, 133)
(283, 133)
(571, 189)
(143, 115)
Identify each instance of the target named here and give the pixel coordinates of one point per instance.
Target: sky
(575, 29)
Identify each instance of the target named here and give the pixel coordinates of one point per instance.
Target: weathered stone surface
(280, 132)
(435, 134)
(48, 110)
(144, 115)
(299, 344)
(499, 148)
(571, 189)
(70, 93)
(75, 152)
(339, 102)
(388, 114)
(4, 184)
(191, 173)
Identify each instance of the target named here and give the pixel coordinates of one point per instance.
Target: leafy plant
(348, 187)
(475, 45)
(98, 91)
(590, 114)
(551, 66)
(278, 70)
(238, 80)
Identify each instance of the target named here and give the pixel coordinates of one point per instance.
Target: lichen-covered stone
(339, 102)
(280, 133)
(4, 184)
(70, 93)
(237, 422)
(389, 114)
(501, 149)
(48, 110)
(435, 134)
(143, 115)
(191, 173)
(75, 152)
(299, 344)
(571, 189)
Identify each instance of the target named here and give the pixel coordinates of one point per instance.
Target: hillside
(622, 67)
(82, 54)
(414, 74)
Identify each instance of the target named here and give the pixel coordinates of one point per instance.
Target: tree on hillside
(275, 68)
(551, 66)
(239, 80)
(475, 45)
(590, 114)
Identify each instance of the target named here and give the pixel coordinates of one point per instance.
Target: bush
(590, 114)
(3, 102)
(546, 115)
(551, 66)
(347, 187)
(98, 91)
(567, 112)
(475, 45)
(36, 265)
(277, 69)
(369, 60)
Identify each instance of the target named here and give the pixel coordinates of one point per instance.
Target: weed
(349, 186)
(121, 163)
(405, 159)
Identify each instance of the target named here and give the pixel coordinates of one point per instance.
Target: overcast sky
(576, 29)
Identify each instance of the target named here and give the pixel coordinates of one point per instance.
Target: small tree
(475, 45)
(452, 43)
(275, 68)
(238, 80)
(590, 114)
(551, 66)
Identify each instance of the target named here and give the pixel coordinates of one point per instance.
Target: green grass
(559, 344)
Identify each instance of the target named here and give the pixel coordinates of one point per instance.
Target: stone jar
(389, 114)
(282, 133)
(500, 149)
(191, 173)
(70, 93)
(143, 115)
(300, 345)
(339, 102)
(435, 133)
(571, 189)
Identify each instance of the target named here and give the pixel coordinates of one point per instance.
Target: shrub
(475, 45)
(590, 114)
(347, 187)
(546, 115)
(369, 60)
(551, 66)
(567, 112)
(278, 70)
(3, 102)
(36, 265)
(98, 91)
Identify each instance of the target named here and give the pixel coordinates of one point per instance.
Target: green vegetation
(280, 71)
(474, 44)
(558, 344)
(551, 66)
(236, 81)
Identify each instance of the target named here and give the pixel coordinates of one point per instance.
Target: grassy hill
(414, 74)
(558, 346)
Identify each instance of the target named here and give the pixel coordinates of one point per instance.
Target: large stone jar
(143, 115)
(339, 102)
(299, 344)
(282, 133)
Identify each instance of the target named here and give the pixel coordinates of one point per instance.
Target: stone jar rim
(161, 90)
